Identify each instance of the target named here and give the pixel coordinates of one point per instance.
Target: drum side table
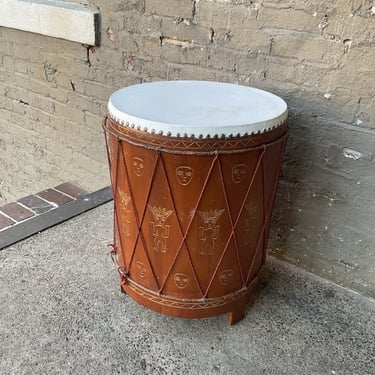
(194, 169)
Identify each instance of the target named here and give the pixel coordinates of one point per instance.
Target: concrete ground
(61, 312)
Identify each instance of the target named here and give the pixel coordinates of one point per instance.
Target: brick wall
(319, 56)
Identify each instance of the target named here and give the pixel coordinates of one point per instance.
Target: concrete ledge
(48, 219)
(75, 22)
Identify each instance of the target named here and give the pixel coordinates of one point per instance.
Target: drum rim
(197, 131)
(192, 145)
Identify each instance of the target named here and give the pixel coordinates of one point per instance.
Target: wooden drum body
(191, 211)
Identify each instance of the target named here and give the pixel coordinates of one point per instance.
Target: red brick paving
(33, 205)
(72, 190)
(52, 195)
(16, 211)
(38, 205)
(5, 221)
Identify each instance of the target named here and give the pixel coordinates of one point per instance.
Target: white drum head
(197, 108)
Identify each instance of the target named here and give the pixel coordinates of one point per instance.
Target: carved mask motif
(141, 269)
(225, 276)
(238, 173)
(181, 280)
(138, 165)
(184, 175)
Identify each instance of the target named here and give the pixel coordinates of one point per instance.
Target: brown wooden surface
(192, 217)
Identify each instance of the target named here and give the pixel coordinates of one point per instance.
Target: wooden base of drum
(234, 304)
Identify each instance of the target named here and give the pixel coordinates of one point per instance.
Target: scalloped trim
(200, 135)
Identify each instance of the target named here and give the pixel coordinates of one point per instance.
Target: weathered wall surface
(319, 56)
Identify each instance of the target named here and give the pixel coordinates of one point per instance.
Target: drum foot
(122, 289)
(237, 314)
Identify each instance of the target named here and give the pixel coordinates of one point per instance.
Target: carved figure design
(249, 228)
(238, 173)
(181, 280)
(210, 231)
(160, 230)
(184, 175)
(138, 166)
(141, 269)
(125, 212)
(226, 276)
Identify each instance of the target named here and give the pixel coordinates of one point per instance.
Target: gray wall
(319, 56)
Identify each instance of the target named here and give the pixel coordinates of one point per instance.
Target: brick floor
(5, 221)
(16, 211)
(34, 205)
(70, 189)
(38, 205)
(13, 232)
(52, 195)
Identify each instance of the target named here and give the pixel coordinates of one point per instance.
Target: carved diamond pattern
(191, 248)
